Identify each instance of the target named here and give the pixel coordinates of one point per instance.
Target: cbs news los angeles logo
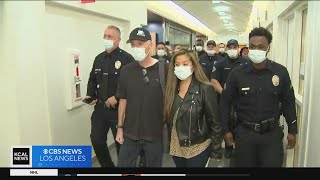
(21, 156)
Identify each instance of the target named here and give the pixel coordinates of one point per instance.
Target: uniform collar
(237, 60)
(117, 50)
(269, 65)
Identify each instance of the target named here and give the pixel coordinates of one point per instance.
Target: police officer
(102, 86)
(260, 85)
(200, 48)
(209, 60)
(162, 54)
(219, 77)
(222, 52)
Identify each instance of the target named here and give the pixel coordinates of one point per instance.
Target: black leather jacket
(197, 119)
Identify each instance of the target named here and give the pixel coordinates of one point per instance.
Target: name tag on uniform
(227, 68)
(245, 89)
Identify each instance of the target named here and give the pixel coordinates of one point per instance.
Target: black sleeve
(216, 72)
(122, 84)
(211, 115)
(92, 82)
(288, 104)
(226, 100)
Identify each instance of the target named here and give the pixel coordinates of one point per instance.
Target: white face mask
(257, 56)
(183, 72)
(211, 52)
(161, 52)
(139, 54)
(221, 50)
(232, 53)
(199, 48)
(108, 44)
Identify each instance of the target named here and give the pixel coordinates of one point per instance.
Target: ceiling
(207, 13)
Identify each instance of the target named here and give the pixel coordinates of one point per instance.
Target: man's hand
(119, 137)
(291, 141)
(93, 102)
(111, 101)
(228, 138)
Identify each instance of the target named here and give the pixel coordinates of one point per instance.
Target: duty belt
(262, 127)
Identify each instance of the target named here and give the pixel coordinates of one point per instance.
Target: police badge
(117, 64)
(275, 80)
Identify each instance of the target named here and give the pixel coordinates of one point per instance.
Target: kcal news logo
(52, 156)
(21, 156)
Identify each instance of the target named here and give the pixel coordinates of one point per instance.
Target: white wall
(34, 36)
(311, 146)
(24, 108)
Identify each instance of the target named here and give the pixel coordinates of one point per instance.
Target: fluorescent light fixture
(225, 17)
(225, 21)
(221, 8)
(215, 2)
(221, 13)
(228, 24)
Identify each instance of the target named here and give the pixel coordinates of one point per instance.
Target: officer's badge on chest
(275, 80)
(117, 64)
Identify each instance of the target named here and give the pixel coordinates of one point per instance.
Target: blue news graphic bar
(61, 157)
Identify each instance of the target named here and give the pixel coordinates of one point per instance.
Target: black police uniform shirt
(104, 76)
(221, 56)
(201, 53)
(208, 63)
(222, 68)
(259, 94)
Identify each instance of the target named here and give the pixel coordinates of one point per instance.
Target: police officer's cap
(140, 34)
(211, 42)
(232, 41)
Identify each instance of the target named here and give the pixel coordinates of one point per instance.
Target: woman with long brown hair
(191, 112)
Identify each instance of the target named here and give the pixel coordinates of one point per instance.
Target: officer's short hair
(261, 31)
(115, 28)
(221, 43)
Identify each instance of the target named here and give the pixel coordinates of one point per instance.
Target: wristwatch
(119, 126)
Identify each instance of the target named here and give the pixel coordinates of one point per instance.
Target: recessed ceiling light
(215, 2)
(225, 21)
(225, 17)
(221, 8)
(221, 13)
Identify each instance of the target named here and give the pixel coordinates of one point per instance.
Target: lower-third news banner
(51, 156)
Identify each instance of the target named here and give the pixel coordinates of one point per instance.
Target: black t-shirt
(142, 89)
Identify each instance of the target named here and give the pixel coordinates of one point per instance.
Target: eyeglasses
(145, 77)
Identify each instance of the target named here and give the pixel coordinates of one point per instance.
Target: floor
(166, 161)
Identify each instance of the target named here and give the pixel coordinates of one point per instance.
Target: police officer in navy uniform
(210, 59)
(222, 54)
(259, 86)
(219, 77)
(200, 48)
(102, 86)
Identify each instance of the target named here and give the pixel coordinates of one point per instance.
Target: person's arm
(217, 86)
(225, 106)
(92, 82)
(121, 117)
(288, 106)
(215, 77)
(212, 119)
(122, 94)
